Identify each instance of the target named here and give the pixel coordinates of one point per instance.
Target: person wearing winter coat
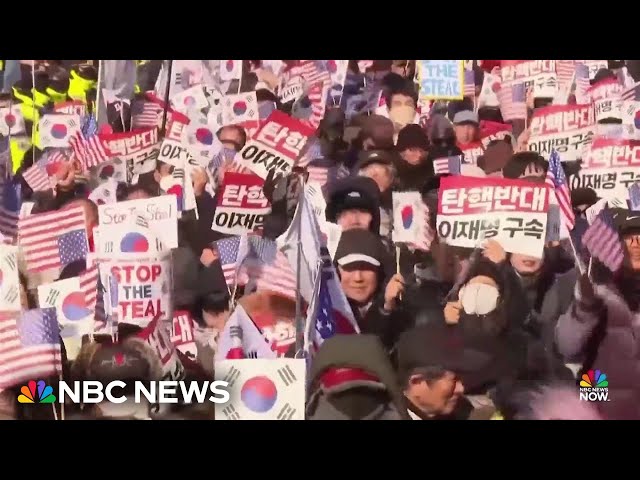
(354, 202)
(600, 328)
(351, 378)
(365, 271)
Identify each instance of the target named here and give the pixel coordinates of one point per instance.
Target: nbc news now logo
(594, 387)
(158, 392)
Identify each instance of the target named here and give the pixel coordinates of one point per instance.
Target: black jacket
(386, 325)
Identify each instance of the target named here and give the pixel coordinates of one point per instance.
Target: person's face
(524, 264)
(399, 100)
(465, 133)
(230, 138)
(353, 218)
(632, 244)
(413, 156)
(438, 398)
(359, 284)
(215, 320)
(379, 174)
(138, 195)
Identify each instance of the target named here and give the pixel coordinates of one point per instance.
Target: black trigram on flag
(10, 262)
(159, 246)
(178, 173)
(286, 413)
(231, 413)
(235, 331)
(141, 221)
(287, 376)
(108, 248)
(11, 294)
(231, 376)
(53, 296)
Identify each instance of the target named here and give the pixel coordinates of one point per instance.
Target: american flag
(318, 105)
(564, 71)
(469, 83)
(262, 248)
(448, 165)
(603, 242)
(631, 93)
(582, 83)
(37, 178)
(557, 180)
(512, 100)
(89, 150)
(228, 249)
(9, 209)
(29, 347)
(89, 125)
(313, 152)
(145, 114)
(426, 235)
(313, 71)
(53, 239)
(8, 223)
(89, 286)
(276, 276)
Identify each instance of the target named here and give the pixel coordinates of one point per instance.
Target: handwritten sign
(144, 287)
(441, 79)
(160, 213)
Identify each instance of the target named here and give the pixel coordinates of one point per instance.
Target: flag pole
(575, 254)
(299, 320)
(166, 98)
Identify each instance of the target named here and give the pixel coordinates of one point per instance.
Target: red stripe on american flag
(278, 277)
(37, 178)
(38, 236)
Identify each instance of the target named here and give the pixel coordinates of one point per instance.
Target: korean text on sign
(540, 75)
(441, 79)
(129, 145)
(609, 167)
(514, 212)
(276, 146)
(242, 205)
(566, 128)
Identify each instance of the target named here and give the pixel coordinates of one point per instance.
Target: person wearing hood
(432, 363)
(374, 132)
(600, 327)
(351, 378)
(373, 292)
(354, 202)
(379, 165)
(484, 311)
(414, 168)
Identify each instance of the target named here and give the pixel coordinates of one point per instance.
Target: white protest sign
(161, 213)
(513, 212)
(173, 153)
(292, 90)
(74, 315)
(262, 389)
(9, 279)
(145, 287)
(242, 205)
(129, 239)
(408, 217)
(276, 146)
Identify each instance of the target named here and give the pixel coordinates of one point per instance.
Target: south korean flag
(11, 121)
(57, 129)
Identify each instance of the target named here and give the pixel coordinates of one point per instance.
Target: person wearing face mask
(600, 330)
(401, 105)
(365, 271)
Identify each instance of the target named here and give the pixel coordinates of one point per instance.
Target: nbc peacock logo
(594, 387)
(36, 392)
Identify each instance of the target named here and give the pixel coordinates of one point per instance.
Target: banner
(262, 389)
(471, 152)
(609, 167)
(160, 213)
(74, 107)
(513, 212)
(566, 128)
(408, 217)
(241, 206)
(182, 336)
(531, 73)
(441, 79)
(9, 279)
(594, 66)
(144, 287)
(74, 316)
(605, 96)
(173, 153)
(137, 145)
(276, 145)
(176, 123)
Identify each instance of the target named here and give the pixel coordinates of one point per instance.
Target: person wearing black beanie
(413, 169)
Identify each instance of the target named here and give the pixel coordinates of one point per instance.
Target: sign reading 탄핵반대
(513, 212)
